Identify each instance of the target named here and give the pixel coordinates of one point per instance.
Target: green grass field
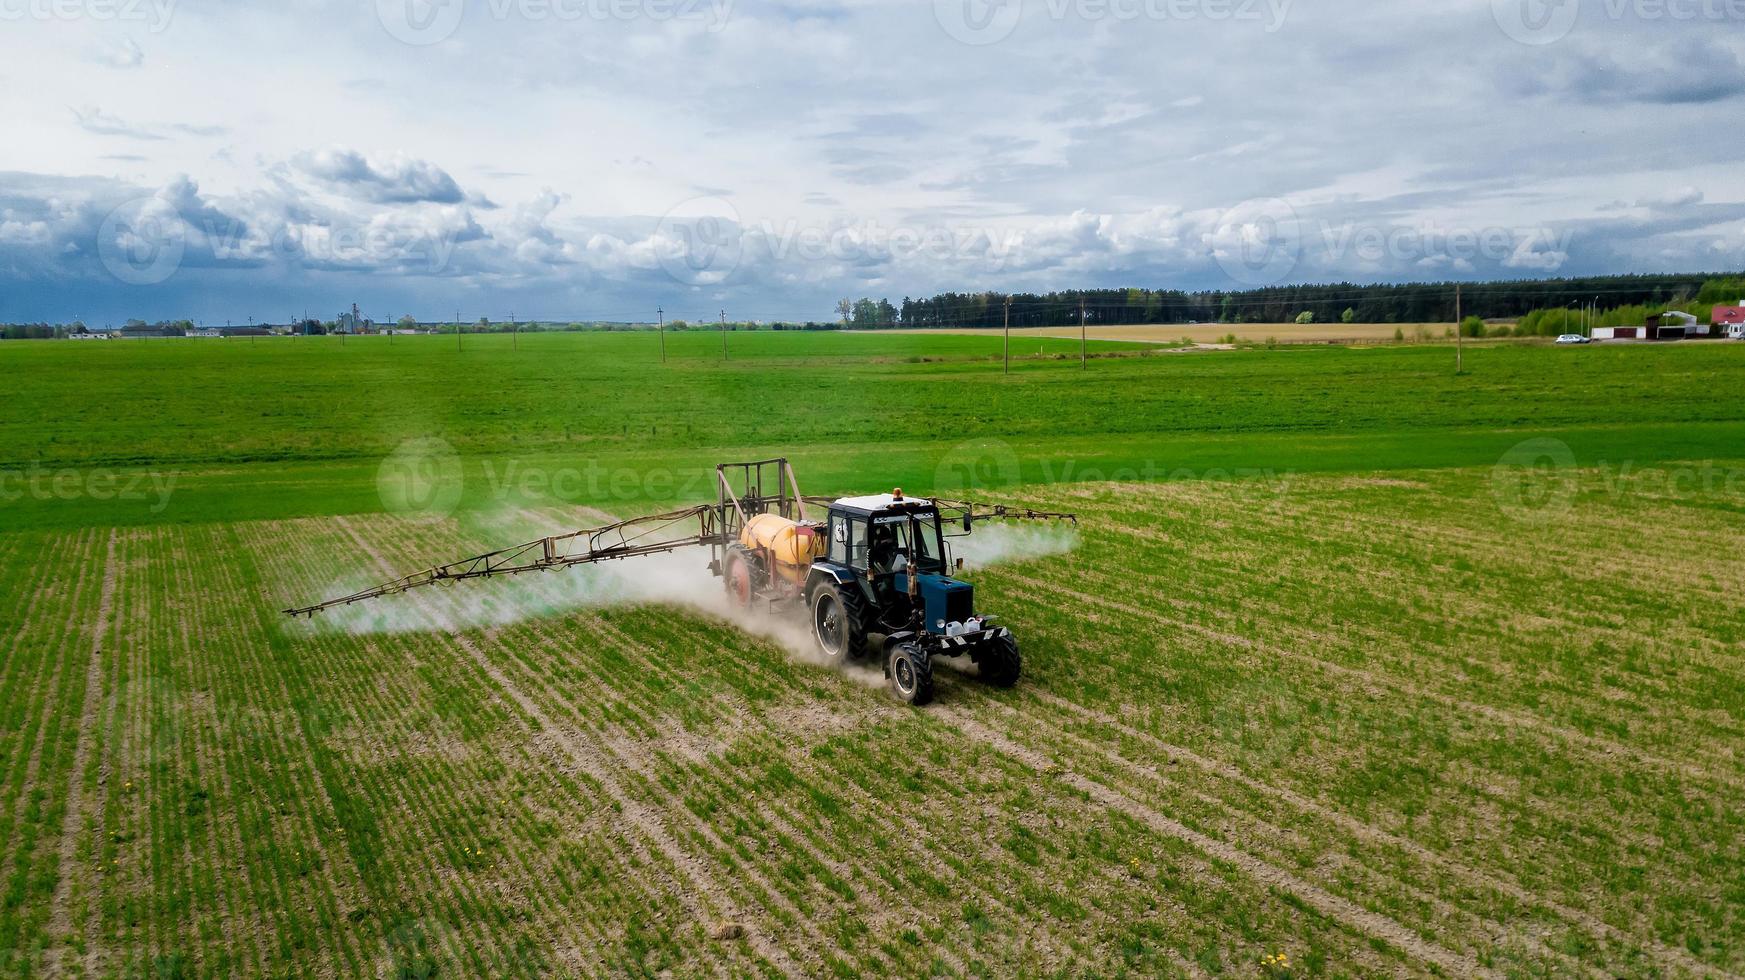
(1356, 661)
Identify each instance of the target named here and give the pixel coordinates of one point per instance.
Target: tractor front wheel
(1000, 663)
(836, 625)
(910, 671)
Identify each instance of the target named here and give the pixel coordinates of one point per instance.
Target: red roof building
(1728, 316)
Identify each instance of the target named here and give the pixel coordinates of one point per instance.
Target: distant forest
(1328, 303)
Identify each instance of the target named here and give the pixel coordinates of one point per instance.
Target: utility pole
(1459, 332)
(1008, 335)
(724, 335)
(1084, 360)
(660, 314)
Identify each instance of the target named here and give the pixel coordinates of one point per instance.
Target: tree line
(1431, 302)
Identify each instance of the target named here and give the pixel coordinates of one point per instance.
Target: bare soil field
(1208, 333)
(1408, 726)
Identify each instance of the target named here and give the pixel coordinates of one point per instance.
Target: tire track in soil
(1598, 748)
(979, 889)
(644, 819)
(630, 759)
(532, 755)
(1344, 911)
(60, 923)
(19, 862)
(1507, 716)
(651, 662)
(875, 809)
(1381, 685)
(783, 824)
(378, 700)
(644, 762)
(345, 887)
(1666, 957)
(1443, 909)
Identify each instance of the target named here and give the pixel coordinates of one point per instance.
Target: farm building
(1671, 325)
(1730, 320)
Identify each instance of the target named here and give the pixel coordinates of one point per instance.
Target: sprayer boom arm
(659, 533)
(971, 513)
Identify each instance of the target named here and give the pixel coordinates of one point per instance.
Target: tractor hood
(946, 600)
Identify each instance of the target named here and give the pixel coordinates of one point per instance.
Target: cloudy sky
(602, 158)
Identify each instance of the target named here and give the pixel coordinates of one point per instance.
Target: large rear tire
(836, 625)
(1000, 663)
(736, 576)
(910, 671)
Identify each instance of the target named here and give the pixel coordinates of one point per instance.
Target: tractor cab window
(929, 554)
(848, 540)
(902, 542)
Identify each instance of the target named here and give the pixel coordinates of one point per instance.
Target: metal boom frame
(717, 525)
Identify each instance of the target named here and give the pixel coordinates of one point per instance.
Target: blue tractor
(886, 575)
(872, 579)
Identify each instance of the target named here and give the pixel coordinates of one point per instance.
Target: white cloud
(861, 147)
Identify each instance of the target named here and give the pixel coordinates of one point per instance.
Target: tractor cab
(886, 572)
(894, 546)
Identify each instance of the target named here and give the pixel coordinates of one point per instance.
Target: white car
(1573, 338)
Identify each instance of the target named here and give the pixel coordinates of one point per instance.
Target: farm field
(1383, 670)
(234, 430)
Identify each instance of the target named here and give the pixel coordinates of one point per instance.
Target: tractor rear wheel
(1000, 663)
(737, 578)
(910, 671)
(836, 625)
